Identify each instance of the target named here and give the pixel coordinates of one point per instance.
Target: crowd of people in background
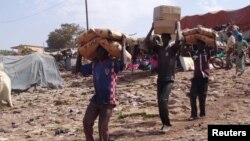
(64, 59)
(236, 46)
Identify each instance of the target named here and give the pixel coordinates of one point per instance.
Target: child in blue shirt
(104, 70)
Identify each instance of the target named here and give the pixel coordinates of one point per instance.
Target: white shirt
(230, 42)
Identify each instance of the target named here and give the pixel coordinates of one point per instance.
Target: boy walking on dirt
(166, 72)
(104, 70)
(199, 83)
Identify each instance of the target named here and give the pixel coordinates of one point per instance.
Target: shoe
(192, 118)
(165, 128)
(239, 74)
(202, 116)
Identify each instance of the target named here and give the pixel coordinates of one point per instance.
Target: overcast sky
(30, 21)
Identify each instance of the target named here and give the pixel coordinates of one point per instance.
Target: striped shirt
(104, 78)
(201, 63)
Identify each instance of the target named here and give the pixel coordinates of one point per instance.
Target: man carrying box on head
(166, 70)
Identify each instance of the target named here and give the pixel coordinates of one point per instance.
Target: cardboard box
(166, 16)
(165, 12)
(164, 26)
(167, 9)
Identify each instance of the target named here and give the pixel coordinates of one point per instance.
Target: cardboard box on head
(165, 18)
(166, 12)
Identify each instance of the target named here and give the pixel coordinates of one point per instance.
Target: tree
(27, 51)
(64, 37)
(7, 52)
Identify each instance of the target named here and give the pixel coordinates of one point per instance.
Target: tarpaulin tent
(240, 17)
(34, 69)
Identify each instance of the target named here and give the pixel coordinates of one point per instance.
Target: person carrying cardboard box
(166, 70)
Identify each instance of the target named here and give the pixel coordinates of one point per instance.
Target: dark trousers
(163, 92)
(198, 89)
(104, 112)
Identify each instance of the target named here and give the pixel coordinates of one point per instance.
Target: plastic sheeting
(34, 69)
(239, 17)
(187, 63)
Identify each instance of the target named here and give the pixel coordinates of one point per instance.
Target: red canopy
(240, 17)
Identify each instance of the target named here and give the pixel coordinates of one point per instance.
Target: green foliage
(7, 52)
(79, 130)
(27, 51)
(64, 37)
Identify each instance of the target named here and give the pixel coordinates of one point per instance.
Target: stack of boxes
(165, 18)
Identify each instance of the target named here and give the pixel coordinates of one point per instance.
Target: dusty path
(44, 114)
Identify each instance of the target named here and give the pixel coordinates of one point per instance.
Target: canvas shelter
(34, 69)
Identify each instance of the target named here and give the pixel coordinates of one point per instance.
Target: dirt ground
(56, 114)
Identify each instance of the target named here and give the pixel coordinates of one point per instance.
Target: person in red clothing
(104, 70)
(199, 82)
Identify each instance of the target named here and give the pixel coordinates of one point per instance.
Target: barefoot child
(104, 70)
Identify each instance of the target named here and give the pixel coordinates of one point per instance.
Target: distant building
(20, 48)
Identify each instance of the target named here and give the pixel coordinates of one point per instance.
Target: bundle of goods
(200, 33)
(110, 40)
(165, 18)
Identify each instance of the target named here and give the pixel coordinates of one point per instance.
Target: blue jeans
(163, 92)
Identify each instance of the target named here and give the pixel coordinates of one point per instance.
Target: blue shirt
(104, 78)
